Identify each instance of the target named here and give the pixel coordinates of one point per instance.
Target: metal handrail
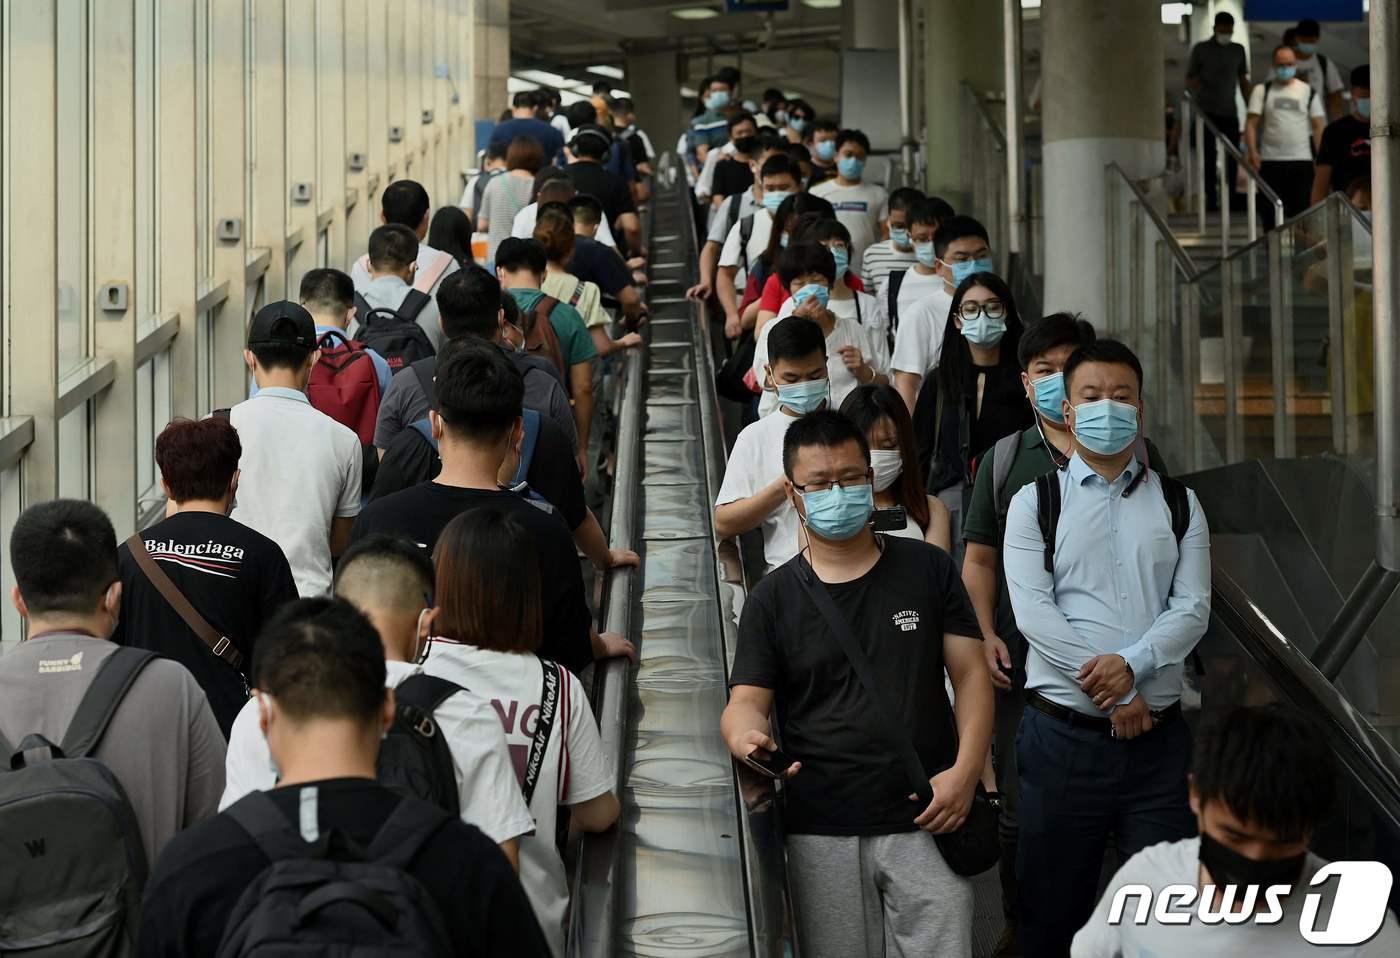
(988, 118)
(1235, 152)
(1183, 259)
(1256, 182)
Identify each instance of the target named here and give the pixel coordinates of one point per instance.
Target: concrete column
(962, 44)
(1103, 101)
(654, 80)
(870, 25)
(490, 38)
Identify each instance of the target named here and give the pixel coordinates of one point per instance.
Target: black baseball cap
(283, 324)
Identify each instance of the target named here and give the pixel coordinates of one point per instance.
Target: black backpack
(893, 282)
(72, 862)
(324, 900)
(395, 333)
(414, 758)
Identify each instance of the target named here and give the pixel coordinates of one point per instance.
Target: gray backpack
(72, 864)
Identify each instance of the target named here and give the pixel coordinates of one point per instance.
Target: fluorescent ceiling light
(689, 91)
(607, 71)
(516, 85)
(619, 94)
(567, 97)
(694, 13)
(1030, 4)
(545, 77)
(1173, 13)
(822, 4)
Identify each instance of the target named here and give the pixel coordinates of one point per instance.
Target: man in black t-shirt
(323, 707)
(851, 825)
(589, 147)
(1345, 152)
(477, 424)
(598, 263)
(234, 577)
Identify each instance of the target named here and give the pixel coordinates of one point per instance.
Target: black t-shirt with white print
(851, 781)
(235, 578)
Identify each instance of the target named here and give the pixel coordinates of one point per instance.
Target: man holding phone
(852, 825)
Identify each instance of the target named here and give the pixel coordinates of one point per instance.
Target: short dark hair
(729, 75)
(488, 582)
(64, 556)
(853, 136)
(515, 254)
(623, 105)
(803, 259)
(280, 355)
(825, 126)
(1224, 17)
(1270, 765)
(554, 231)
(496, 150)
(812, 228)
(478, 391)
(741, 116)
(321, 658)
(1102, 351)
(326, 290)
(1361, 77)
(1051, 332)
(197, 458)
(405, 202)
(779, 164)
(930, 211)
(524, 98)
(391, 570)
(795, 337)
(1308, 28)
(547, 175)
(393, 247)
(586, 208)
(525, 153)
(590, 140)
(468, 303)
(904, 198)
(824, 427)
(955, 228)
(555, 189)
(580, 112)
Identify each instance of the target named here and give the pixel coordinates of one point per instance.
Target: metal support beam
(906, 93)
(1015, 127)
(1385, 201)
(1348, 629)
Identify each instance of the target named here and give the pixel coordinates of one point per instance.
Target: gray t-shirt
(1219, 68)
(163, 745)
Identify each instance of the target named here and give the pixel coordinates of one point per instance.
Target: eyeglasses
(822, 485)
(992, 309)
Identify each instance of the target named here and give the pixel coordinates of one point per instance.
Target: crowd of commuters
(332, 697)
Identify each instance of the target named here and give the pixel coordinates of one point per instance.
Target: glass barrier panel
(1209, 334)
(1358, 353)
(1256, 392)
(1305, 291)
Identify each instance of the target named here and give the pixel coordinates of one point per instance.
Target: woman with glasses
(974, 396)
(880, 413)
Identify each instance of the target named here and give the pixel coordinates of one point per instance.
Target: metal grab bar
(1256, 182)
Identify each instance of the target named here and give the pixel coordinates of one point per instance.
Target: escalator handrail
(1370, 760)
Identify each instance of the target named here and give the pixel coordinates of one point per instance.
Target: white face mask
(888, 466)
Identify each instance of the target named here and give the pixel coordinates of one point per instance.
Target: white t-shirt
(918, 341)
(1169, 863)
(705, 185)
(1285, 132)
(523, 226)
(913, 288)
(487, 791)
(755, 462)
(574, 769)
(299, 470)
(847, 332)
(860, 209)
(1310, 72)
(758, 242)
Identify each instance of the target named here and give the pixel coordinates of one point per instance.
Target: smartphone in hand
(770, 763)
(892, 519)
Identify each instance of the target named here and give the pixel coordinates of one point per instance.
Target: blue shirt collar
(1081, 472)
(282, 392)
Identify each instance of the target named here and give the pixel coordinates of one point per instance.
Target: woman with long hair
(451, 232)
(880, 413)
(974, 396)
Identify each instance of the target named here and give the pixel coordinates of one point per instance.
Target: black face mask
(1228, 867)
(746, 144)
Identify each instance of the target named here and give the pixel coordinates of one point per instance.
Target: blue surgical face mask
(899, 237)
(963, 270)
(772, 199)
(803, 397)
(717, 100)
(798, 124)
(1285, 73)
(1106, 427)
(1363, 107)
(923, 252)
(1307, 49)
(851, 167)
(984, 331)
(1050, 397)
(839, 513)
(826, 150)
(843, 260)
(812, 291)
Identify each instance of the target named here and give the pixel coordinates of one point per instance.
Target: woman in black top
(975, 395)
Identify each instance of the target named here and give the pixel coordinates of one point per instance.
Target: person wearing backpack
(106, 753)
(1282, 133)
(405, 203)
(331, 857)
(1108, 567)
(465, 770)
(488, 635)
(392, 316)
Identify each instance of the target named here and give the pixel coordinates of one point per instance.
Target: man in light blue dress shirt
(1102, 748)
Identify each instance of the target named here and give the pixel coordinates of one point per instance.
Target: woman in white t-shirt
(880, 413)
(486, 631)
(855, 353)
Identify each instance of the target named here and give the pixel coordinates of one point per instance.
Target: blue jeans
(1078, 787)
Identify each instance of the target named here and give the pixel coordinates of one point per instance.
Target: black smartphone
(892, 519)
(770, 763)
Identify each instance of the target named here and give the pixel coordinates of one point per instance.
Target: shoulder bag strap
(414, 303)
(1047, 513)
(1003, 458)
(531, 421)
(426, 692)
(100, 701)
(274, 834)
(893, 730)
(549, 708)
(404, 833)
(425, 370)
(427, 278)
(210, 636)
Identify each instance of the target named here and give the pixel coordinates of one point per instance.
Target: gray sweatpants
(877, 896)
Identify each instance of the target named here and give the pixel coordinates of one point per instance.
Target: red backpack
(344, 384)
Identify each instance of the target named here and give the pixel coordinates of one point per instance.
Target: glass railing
(1197, 179)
